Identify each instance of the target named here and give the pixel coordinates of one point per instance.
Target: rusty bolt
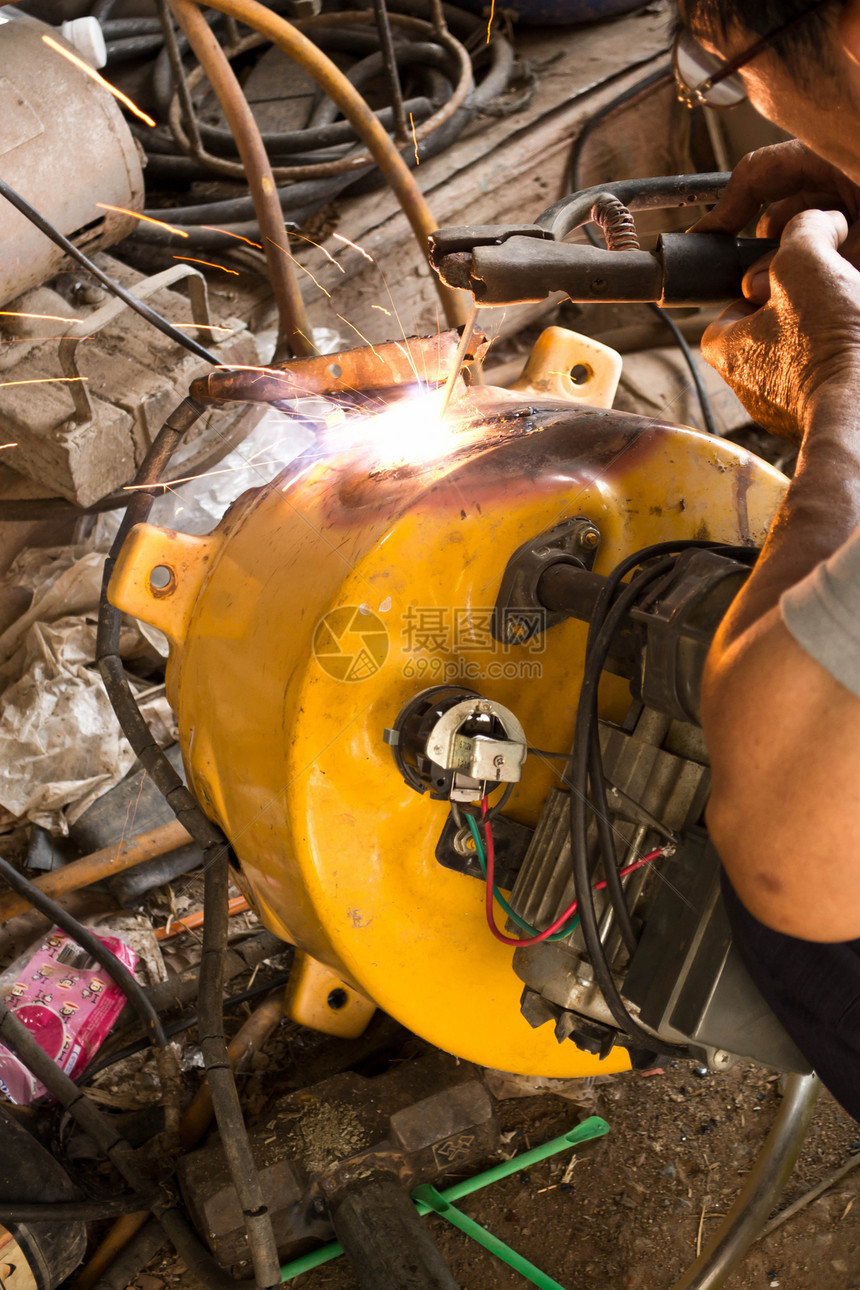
(590, 538)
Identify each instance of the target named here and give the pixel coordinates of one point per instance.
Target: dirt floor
(631, 1211)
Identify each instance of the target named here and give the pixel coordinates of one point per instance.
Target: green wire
(520, 922)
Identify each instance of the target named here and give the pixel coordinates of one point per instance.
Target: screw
(721, 1059)
(589, 538)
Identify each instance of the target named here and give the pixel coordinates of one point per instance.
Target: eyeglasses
(706, 80)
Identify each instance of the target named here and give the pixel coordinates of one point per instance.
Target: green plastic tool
(427, 1199)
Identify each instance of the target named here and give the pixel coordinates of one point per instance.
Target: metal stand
(760, 1192)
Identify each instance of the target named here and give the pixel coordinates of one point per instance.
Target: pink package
(67, 1001)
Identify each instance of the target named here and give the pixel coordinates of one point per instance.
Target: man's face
(828, 121)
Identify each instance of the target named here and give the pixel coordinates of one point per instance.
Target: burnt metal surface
(421, 360)
(420, 1121)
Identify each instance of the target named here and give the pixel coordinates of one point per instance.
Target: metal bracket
(518, 614)
(198, 298)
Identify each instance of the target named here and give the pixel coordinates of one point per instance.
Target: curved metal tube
(636, 194)
(332, 81)
(294, 330)
(760, 1192)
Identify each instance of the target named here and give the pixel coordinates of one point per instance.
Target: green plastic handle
(590, 1129)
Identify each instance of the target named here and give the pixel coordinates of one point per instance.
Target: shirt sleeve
(822, 612)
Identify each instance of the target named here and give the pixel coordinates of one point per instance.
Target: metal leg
(386, 40)
(760, 1192)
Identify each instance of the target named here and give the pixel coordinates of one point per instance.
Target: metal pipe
(760, 1192)
(386, 40)
(100, 865)
(294, 330)
(333, 82)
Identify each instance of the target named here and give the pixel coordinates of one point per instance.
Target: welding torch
(518, 264)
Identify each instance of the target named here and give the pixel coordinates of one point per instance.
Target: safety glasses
(706, 80)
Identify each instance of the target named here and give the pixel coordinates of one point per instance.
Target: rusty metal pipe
(294, 330)
(333, 82)
(100, 865)
(193, 1125)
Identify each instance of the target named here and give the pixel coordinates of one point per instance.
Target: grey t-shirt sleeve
(822, 612)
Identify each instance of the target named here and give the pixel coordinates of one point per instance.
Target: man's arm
(783, 733)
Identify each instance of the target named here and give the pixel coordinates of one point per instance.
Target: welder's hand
(784, 179)
(796, 334)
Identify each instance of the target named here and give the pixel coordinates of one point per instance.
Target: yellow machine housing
(324, 601)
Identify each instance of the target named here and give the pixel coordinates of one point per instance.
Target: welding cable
(139, 306)
(661, 76)
(332, 81)
(117, 971)
(236, 1144)
(110, 1142)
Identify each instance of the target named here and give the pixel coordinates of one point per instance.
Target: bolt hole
(335, 370)
(160, 577)
(338, 999)
(580, 374)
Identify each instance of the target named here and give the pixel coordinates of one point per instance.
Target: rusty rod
(100, 865)
(294, 329)
(193, 1125)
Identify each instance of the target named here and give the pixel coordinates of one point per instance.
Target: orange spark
(44, 380)
(414, 141)
(212, 229)
(186, 322)
(319, 248)
(387, 312)
(100, 80)
(159, 223)
(208, 263)
(490, 19)
(361, 251)
(14, 313)
(290, 256)
(8, 445)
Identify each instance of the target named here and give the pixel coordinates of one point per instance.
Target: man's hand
(796, 334)
(785, 179)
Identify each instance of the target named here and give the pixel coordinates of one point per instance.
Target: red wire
(562, 918)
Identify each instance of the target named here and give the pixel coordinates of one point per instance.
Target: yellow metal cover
(323, 602)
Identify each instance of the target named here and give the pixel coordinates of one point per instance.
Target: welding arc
(139, 306)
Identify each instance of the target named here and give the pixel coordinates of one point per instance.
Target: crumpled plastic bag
(61, 746)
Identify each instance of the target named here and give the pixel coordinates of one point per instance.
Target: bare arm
(783, 734)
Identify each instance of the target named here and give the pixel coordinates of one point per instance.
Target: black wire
(586, 711)
(116, 970)
(180, 1025)
(658, 77)
(139, 306)
(600, 810)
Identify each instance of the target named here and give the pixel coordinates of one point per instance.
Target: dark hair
(809, 40)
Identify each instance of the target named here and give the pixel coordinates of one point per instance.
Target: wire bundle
(321, 161)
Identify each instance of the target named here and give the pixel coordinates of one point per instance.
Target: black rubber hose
(116, 970)
(139, 306)
(222, 1085)
(129, 47)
